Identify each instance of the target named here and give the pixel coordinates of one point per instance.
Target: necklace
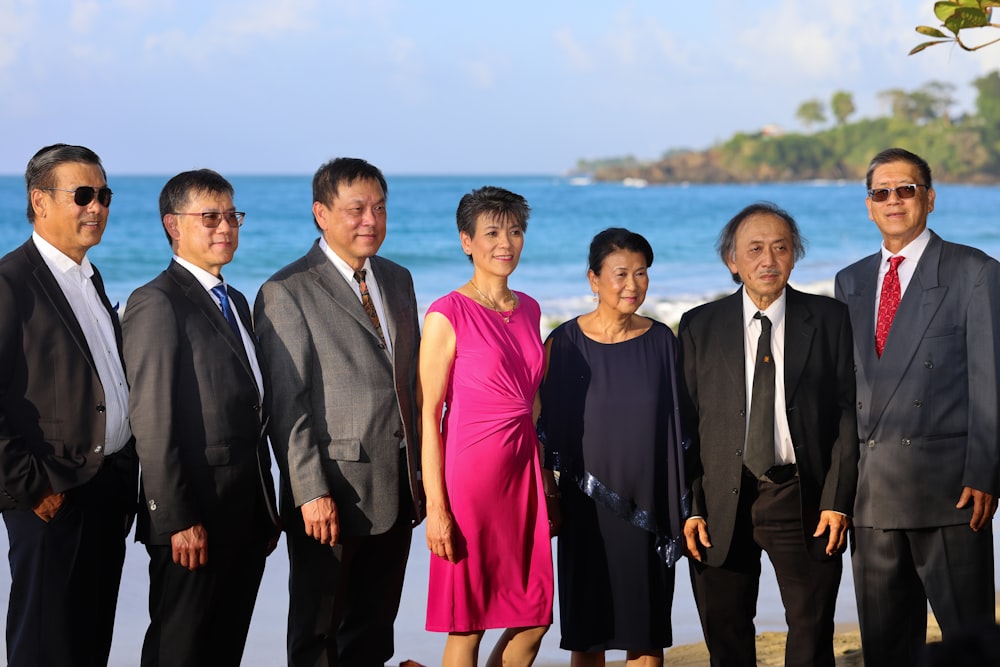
(493, 304)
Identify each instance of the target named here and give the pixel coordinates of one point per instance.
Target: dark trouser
(769, 517)
(201, 617)
(65, 576)
(343, 600)
(897, 571)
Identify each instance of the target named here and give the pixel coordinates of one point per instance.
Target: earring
(595, 297)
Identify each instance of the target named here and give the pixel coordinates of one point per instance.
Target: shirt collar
(775, 312)
(913, 250)
(57, 259)
(207, 280)
(345, 269)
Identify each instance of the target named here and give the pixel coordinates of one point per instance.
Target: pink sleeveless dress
(503, 578)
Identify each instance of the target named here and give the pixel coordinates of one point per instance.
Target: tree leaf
(944, 10)
(965, 17)
(920, 47)
(931, 32)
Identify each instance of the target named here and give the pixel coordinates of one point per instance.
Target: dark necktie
(888, 303)
(759, 456)
(227, 310)
(366, 301)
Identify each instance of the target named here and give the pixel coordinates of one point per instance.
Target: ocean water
(680, 221)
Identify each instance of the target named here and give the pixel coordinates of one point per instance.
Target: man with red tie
(926, 321)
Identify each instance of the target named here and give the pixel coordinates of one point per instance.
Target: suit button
(100, 407)
(739, 452)
(399, 433)
(381, 346)
(255, 408)
(859, 405)
(905, 442)
(917, 403)
(743, 413)
(97, 450)
(871, 444)
(152, 505)
(735, 491)
(929, 364)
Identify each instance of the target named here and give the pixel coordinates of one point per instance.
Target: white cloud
(83, 15)
(480, 73)
(16, 19)
(572, 50)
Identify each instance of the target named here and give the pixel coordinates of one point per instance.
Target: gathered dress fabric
(492, 471)
(610, 425)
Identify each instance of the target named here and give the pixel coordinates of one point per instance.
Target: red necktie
(888, 303)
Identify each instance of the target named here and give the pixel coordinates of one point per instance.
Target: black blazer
(196, 414)
(52, 408)
(819, 402)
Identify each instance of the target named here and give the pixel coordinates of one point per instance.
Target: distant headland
(962, 149)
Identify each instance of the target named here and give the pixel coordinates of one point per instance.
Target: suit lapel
(799, 334)
(47, 283)
(196, 293)
(861, 307)
(331, 282)
(728, 336)
(917, 308)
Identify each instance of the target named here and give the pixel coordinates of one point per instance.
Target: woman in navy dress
(610, 427)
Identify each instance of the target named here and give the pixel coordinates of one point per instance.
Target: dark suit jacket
(929, 409)
(51, 400)
(196, 415)
(340, 404)
(819, 402)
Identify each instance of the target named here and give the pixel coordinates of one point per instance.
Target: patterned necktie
(888, 303)
(227, 310)
(759, 456)
(366, 301)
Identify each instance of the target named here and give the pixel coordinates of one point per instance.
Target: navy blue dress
(610, 425)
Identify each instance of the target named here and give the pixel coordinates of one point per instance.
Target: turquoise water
(681, 223)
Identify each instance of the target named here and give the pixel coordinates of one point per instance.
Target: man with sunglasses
(68, 467)
(207, 515)
(926, 321)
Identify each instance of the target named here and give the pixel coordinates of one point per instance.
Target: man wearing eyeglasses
(926, 320)
(68, 466)
(207, 512)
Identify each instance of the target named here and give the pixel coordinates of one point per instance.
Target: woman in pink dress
(487, 524)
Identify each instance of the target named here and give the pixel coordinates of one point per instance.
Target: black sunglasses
(85, 194)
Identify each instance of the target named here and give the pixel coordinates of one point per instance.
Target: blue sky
(426, 87)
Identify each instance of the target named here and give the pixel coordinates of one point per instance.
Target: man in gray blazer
(774, 464)
(207, 515)
(68, 469)
(926, 319)
(339, 329)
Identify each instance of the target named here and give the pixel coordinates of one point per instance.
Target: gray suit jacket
(340, 404)
(51, 399)
(819, 403)
(929, 409)
(197, 416)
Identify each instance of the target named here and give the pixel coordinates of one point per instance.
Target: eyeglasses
(902, 191)
(85, 194)
(213, 219)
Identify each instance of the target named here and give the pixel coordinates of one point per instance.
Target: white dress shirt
(95, 321)
(208, 281)
(784, 452)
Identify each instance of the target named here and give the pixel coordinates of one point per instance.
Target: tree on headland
(811, 112)
(842, 106)
(929, 102)
(957, 16)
